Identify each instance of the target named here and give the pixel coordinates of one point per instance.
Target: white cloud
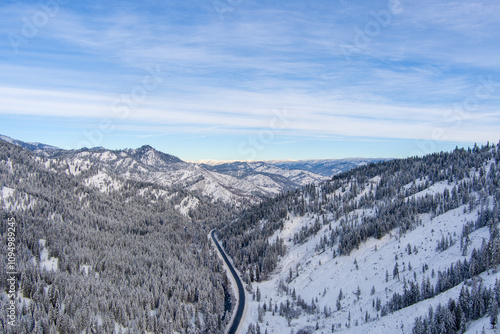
(301, 114)
(228, 77)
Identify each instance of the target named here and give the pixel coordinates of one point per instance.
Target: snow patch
(103, 182)
(85, 268)
(7, 192)
(46, 262)
(187, 204)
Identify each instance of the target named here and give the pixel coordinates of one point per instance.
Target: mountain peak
(150, 156)
(146, 148)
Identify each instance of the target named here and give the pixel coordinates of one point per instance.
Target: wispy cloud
(227, 76)
(213, 112)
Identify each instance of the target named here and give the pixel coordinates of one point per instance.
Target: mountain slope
(325, 167)
(149, 165)
(106, 256)
(268, 176)
(28, 146)
(390, 239)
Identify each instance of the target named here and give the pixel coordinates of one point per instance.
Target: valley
(396, 246)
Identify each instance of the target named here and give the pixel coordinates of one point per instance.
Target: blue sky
(246, 79)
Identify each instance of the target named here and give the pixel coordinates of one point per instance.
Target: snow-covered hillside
(97, 253)
(318, 276)
(371, 251)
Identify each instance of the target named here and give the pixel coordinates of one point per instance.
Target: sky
(252, 79)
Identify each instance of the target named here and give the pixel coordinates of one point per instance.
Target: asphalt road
(239, 285)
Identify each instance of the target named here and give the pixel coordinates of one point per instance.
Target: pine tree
(395, 271)
(493, 312)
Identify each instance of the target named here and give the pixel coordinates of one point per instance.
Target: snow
(416, 183)
(263, 181)
(7, 192)
(20, 202)
(484, 323)
(103, 182)
(119, 329)
(108, 156)
(85, 268)
(150, 158)
(321, 276)
(436, 188)
(187, 204)
(46, 262)
(7, 139)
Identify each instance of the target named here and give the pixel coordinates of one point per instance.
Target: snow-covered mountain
(267, 175)
(236, 182)
(29, 146)
(401, 246)
(243, 185)
(98, 253)
(374, 249)
(325, 167)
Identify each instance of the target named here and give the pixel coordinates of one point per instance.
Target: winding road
(236, 320)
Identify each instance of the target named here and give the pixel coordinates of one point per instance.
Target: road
(236, 320)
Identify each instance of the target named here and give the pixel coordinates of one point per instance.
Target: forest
(249, 246)
(123, 259)
(374, 201)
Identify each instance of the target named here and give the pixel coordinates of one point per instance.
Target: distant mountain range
(325, 167)
(235, 182)
(28, 146)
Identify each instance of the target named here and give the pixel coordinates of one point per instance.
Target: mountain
(325, 167)
(235, 183)
(146, 164)
(266, 175)
(402, 246)
(97, 253)
(116, 241)
(28, 146)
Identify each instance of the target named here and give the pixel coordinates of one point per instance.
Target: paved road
(241, 293)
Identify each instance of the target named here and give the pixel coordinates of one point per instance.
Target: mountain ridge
(237, 182)
(29, 146)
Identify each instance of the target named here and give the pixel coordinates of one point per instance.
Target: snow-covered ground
(319, 277)
(6, 192)
(103, 182)
(46, 262)
(187, 204)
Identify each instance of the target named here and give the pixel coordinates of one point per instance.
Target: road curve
(236, 320)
